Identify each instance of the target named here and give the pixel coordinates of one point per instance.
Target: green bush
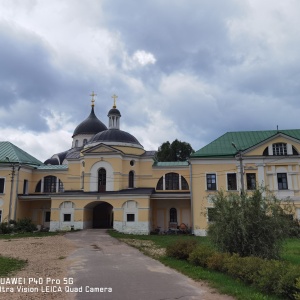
(297, 294)
(294, 229)
(244, 268)
(25, 225)
(5, 228)
(217, 261)
(200, 255)
(181, 249)
(250, 225)
(278, 277)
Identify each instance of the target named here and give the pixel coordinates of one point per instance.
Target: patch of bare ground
(46, 258)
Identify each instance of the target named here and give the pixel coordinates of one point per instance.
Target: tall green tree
(176, 151)
(250, 225)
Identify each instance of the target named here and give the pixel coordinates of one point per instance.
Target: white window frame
(211, 173)
(280, 149)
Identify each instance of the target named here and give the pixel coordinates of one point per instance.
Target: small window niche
(67, 217)
(130, 217)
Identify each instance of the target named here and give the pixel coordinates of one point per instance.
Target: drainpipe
(11, 191)
(191, 193)
(16, 199)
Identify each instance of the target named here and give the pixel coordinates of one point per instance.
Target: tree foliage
(250, 225)
(176, 151)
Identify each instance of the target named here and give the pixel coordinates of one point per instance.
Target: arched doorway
(103, 215)
(101, 180)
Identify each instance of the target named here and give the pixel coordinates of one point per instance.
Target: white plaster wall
(200, 232)
(132, 227)
(65, 226)
(94, 176)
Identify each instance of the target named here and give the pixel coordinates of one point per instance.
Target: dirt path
(47, 258)
(59, 257)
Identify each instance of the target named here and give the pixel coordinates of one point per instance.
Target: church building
(108, 180)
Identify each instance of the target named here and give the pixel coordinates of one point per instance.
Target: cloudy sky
(185, 69)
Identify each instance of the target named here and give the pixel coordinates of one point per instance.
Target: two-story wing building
(107, 179)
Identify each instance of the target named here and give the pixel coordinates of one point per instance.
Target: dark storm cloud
(181, 34)
(30, 82)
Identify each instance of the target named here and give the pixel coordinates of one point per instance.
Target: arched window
(84, 142)
(38, 187)
(131, 179)
(172, 181)
(184, 184)
(101, 180)
(82, 179)
(51, 184)
(173, 215)
(266, 152)
(160, 184)
(295, 152)
(76, 143)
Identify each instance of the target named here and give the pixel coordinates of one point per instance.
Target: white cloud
(140, 58)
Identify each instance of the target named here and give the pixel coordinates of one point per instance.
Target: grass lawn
(27, 234)
(222, 282)
(9, 265)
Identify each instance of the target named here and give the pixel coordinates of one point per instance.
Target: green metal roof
(222, 146)
(170, 164)
(53, 167)
(9, 153)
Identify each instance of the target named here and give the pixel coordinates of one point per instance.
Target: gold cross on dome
(114, 96)
(93, 100)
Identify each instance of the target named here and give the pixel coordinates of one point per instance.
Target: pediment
(258, 150)
(101, 149)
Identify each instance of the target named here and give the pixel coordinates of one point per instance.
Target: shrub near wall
(270, 276)
(181, 249)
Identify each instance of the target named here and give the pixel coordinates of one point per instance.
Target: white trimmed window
(2, 185)
(279, 149)
(211, 182)
(282, 181)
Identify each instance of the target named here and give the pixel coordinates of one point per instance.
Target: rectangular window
(282, 181)
(211, 214)
(251, 181)
(172, 181)
(48, 216)
(25, 187)
(130, 217)
(279, 149)
(211, 182)
(231, 182)
(67, 217)
(0, 216)
(2, 185)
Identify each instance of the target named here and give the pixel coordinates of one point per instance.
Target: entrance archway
(103, 215)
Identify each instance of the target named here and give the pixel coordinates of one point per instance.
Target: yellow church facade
(108, 180)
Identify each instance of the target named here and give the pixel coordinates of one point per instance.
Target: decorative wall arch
(130, 208)
(94, 176)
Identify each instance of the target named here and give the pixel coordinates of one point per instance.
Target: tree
(177, 151)
(250, 225)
